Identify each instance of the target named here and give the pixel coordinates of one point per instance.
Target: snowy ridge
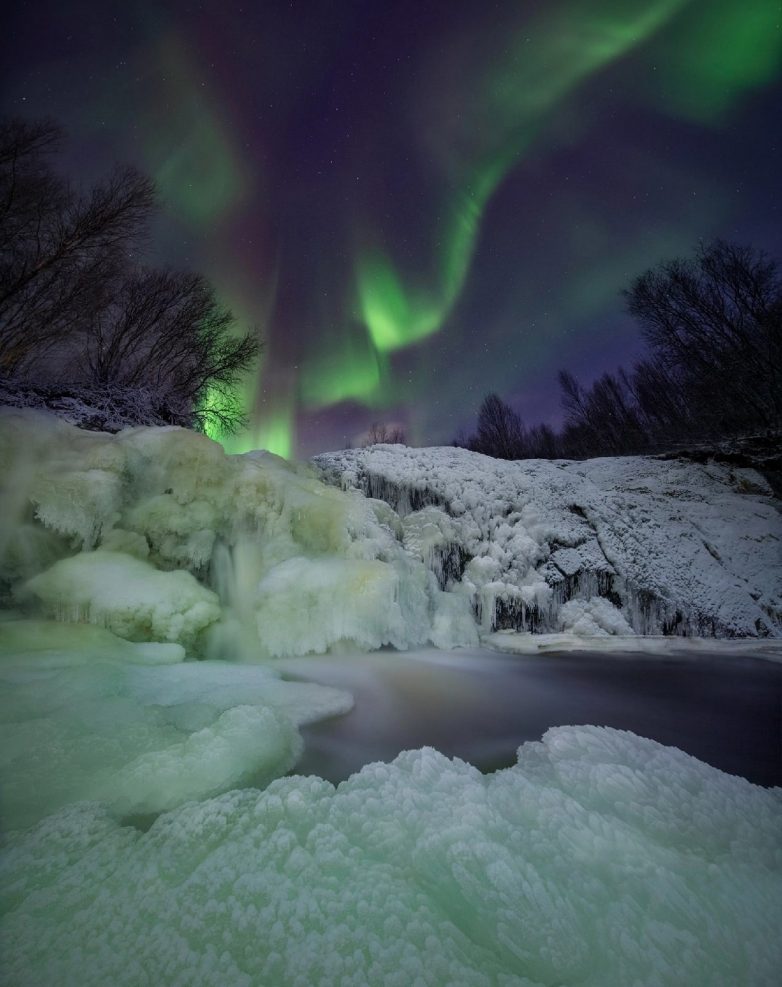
(600, 860)
(95, 408)
(617, 545)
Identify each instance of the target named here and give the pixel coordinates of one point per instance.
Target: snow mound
(86, 715)
(596, 617)
(127, 595)
(599, 860)
(675, 547)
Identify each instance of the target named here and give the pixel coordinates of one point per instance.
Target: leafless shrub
(77, 310)
(380, 433)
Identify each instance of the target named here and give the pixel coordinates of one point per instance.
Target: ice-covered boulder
(676, 547)
(599, 860)
(128, 595)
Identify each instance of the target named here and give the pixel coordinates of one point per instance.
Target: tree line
(712, 370)
(81, 315)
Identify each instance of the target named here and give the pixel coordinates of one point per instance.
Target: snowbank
(126, 595)
(599, 860)
(641, 545)
(86, 715)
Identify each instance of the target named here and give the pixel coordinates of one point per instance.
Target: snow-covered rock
(127, 595)
(640, 543)
(599, 860)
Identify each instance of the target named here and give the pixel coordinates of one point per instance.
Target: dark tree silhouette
(166, 331)
(543, 443)
(79, 314)
(713, 327)
(662, 401)
(715, 324)
(380, 433)
(62, 255)
(500, 431)
(604, 419)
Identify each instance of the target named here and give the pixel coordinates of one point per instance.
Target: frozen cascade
(157, 535)
(607, 546)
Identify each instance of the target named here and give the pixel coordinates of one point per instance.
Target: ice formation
(86, 715)
(157, 535)
(128, 595)
(599, 860)
(606, 546)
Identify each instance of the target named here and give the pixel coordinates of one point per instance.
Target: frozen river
(480, 705)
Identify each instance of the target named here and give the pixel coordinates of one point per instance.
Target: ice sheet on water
(86, 715)
(599, 860)
(523, 643)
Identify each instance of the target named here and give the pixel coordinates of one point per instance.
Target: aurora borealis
(419, 202)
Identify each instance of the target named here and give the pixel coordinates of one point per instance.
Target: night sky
(419, 202)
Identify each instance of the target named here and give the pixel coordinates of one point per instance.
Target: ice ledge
(606, 546)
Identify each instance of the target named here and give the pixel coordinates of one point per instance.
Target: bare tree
(663, 402)
(543, 443)
(166, 331)
(713, 325)
(76, 309)
(61, 254)
(380, 433)
(715, 322)
(500, 431)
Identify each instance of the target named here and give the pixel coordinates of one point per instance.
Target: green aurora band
(201, 177)
(708, 53)
(727, 47)
(519, 94)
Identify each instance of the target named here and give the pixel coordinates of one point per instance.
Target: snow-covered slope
(600, 546)
(599, 860)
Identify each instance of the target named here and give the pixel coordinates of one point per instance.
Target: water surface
(480, 705)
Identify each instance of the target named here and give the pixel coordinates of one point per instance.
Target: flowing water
(480, 705)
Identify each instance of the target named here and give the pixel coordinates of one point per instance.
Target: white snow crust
(86, 715)
(638, 544)
(599, 860)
